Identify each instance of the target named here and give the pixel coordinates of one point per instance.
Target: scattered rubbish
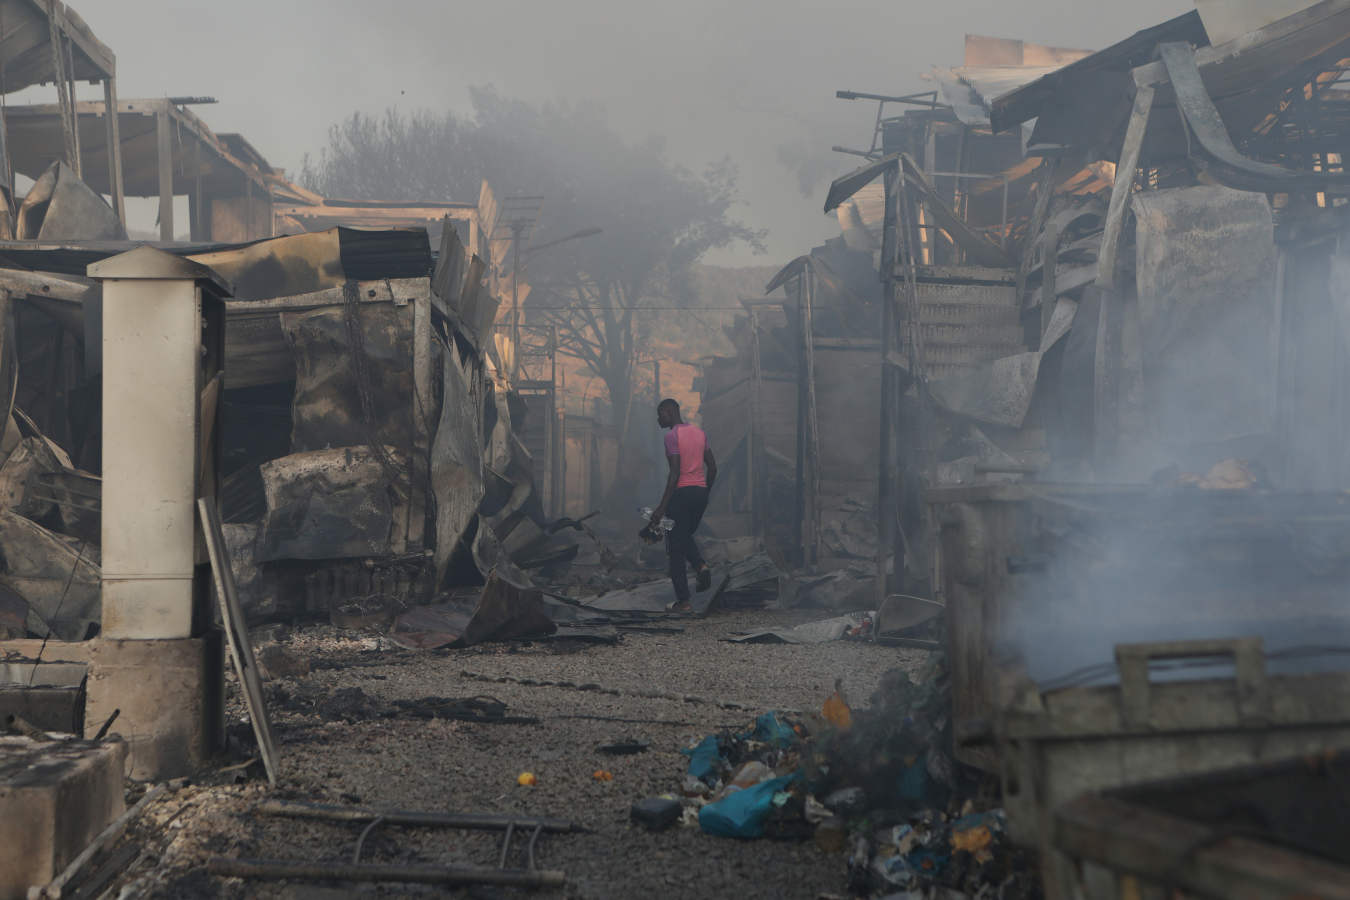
(105, 838)
(874, 783)
(526, 779)
(820, 632)
(703, 758)
(624, 748)
(748, 775)
(846, 802)
(770, 729)
(742, 814)
(656, 813)
(602, 775)
(836, 710)
(832, 835)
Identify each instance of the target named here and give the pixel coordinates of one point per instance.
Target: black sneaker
(704, 579)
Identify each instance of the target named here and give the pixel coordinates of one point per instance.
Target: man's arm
(659, 513)
(710, 466)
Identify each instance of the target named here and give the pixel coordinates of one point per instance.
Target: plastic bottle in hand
(652, 534)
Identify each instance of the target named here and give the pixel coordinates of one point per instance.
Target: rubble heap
(878, 783)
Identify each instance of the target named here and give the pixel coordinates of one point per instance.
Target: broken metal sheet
(753, 580)
(651, 597)
(257, 594)
(490, 558)
(335, 392)
(58, 577)
(295, 264)
(999, 392)
(502, 612)
(970, 90)
(1212, 136)
(901, 612)
(820, 632)
(848, 533)
(853, 587)
(1227, 20)
(333, 504)
(1205, 275)
(32, 456)
(61, 207)
(456, 453)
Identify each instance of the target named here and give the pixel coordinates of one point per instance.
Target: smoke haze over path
(753, 80)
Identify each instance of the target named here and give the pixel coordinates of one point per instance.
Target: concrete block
(171, 694)
(55, 798)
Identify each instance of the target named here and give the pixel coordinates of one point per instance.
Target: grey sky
(738, 78)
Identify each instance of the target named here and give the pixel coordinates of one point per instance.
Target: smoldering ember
(501, 502)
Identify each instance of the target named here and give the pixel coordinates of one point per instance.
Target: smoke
(812, 167)
(1236, 524)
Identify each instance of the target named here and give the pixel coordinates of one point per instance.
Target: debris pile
(877, 783)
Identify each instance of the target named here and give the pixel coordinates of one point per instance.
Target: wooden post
(890, 242)
(1045, 187)
(1106, 359)
(69, 74)
(799, 501)
(1123, 187)
(754, 439)
(164, 154)
(813, 432)
(114, 138)
(1048, 291)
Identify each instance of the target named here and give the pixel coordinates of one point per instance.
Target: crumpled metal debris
(500, 612)
(61, 207)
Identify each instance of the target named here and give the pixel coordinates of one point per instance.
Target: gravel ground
(459, 766)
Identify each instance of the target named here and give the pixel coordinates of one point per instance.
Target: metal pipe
(485, 821)
(335, 871)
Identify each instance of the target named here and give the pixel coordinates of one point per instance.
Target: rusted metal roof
(1094, 74)
(26, 45)
(35, 140)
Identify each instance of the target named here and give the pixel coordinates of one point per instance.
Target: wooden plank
(423, 415)
(756, 429)
(55, 651)
(70, 288)
(236, 634)
(164, 164)
(113, 123)
(864, 346)
(1124, 186)
(1048, 274)
(973, 274)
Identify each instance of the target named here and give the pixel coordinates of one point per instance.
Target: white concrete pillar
(157, 658)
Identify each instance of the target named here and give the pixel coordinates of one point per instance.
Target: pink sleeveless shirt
(688, 443)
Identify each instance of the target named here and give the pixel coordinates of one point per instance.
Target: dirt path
(448, 765)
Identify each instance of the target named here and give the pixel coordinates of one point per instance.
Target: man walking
(693, 469)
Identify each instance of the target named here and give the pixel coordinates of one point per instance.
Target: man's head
(668, 413)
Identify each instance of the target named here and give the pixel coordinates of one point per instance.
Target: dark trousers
(686, 511)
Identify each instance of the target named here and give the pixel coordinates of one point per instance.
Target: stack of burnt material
(369, 455)
(371, 458)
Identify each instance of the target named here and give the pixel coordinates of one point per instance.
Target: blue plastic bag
(703, 759)
(742, 814)
(769, 729)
